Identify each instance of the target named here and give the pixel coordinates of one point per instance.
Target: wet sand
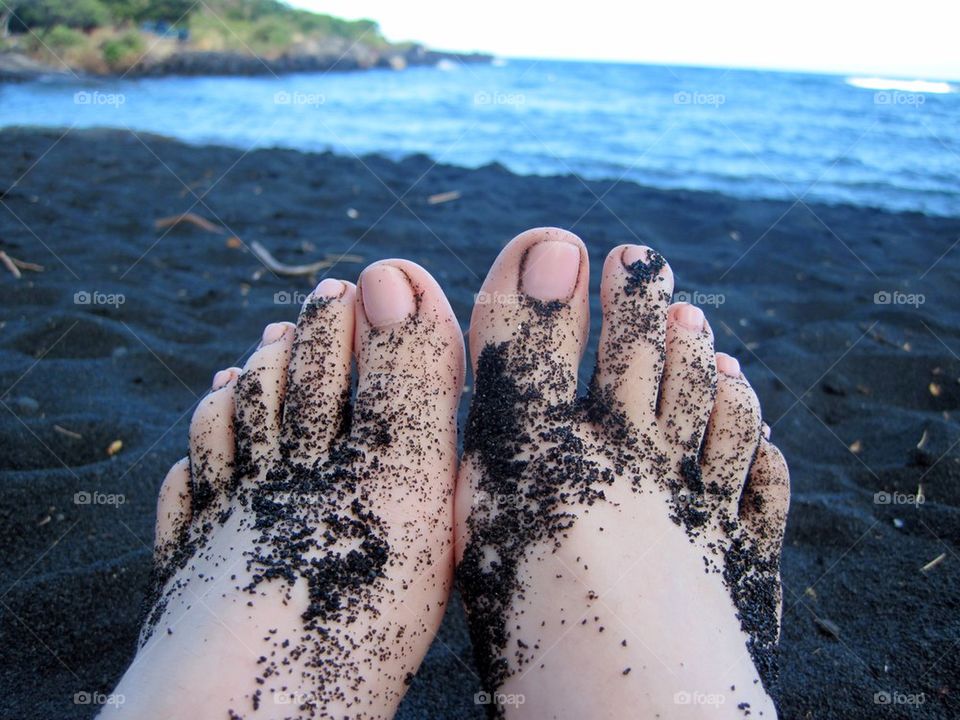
(119, 336)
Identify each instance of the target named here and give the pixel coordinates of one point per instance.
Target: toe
(212, 442)
(732, 435)
(259, 401)
(318, 383)
(766, 498)
(173, 510)
(635, 292)
(410, 363)
(532, 314)
(689, 378)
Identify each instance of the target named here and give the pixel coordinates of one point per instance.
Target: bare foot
(622, 550)
(304, 551)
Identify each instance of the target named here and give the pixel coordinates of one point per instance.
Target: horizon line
(700, 66)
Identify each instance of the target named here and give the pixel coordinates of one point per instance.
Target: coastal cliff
(169, 37)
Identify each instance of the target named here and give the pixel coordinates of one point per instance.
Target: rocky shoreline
(19, 67)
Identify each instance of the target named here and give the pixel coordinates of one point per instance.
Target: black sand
(864, 622)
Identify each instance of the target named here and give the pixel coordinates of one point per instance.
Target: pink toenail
(329, 288)
(635, 253)
(690, 316)
(387, 295)
(272, 333)
(222, 378)
(550, 270)
(728, 365)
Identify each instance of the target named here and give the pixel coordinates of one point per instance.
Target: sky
(914, 40)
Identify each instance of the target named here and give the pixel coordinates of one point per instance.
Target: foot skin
(620, 552)
(304, 551)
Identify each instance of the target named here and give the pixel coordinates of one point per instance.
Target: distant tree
(6, 13)
(249, 9)
(41, 14)
(138, 11)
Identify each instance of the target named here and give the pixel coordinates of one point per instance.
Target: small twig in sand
(69, 433)
(933, 563)
(280, 268)
(15, 266)
(443, 197)
(9, 264)
(190, 218)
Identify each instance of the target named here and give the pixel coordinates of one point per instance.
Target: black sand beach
(105, 352)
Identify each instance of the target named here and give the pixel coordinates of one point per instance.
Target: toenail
(329, 288)
(634, 253)
(222, 378)
(690, 316)
(728, 365)
(386, 294)
(550, 270)
(273, 332)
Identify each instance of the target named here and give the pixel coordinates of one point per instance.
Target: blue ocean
(867, 141)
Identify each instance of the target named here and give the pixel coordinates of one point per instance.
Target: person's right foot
(304, 551)
(618, 554)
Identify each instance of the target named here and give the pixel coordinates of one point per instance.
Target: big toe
(410, 361)
(531, 320)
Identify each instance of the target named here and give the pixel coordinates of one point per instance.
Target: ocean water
(875, 142)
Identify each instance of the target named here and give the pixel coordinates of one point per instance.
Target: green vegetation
(112, 35)
(124, 50)
(79, 14)
(63, 38)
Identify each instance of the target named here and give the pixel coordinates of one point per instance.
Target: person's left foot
(619, 551)
(304, 552)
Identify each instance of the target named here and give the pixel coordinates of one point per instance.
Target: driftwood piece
(15, 266)
(443, 197)
(281, 268)
(188, 218)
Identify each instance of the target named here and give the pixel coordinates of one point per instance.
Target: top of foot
(638, 524)
(304, 551)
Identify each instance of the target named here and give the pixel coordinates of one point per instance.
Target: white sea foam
(909, 86)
